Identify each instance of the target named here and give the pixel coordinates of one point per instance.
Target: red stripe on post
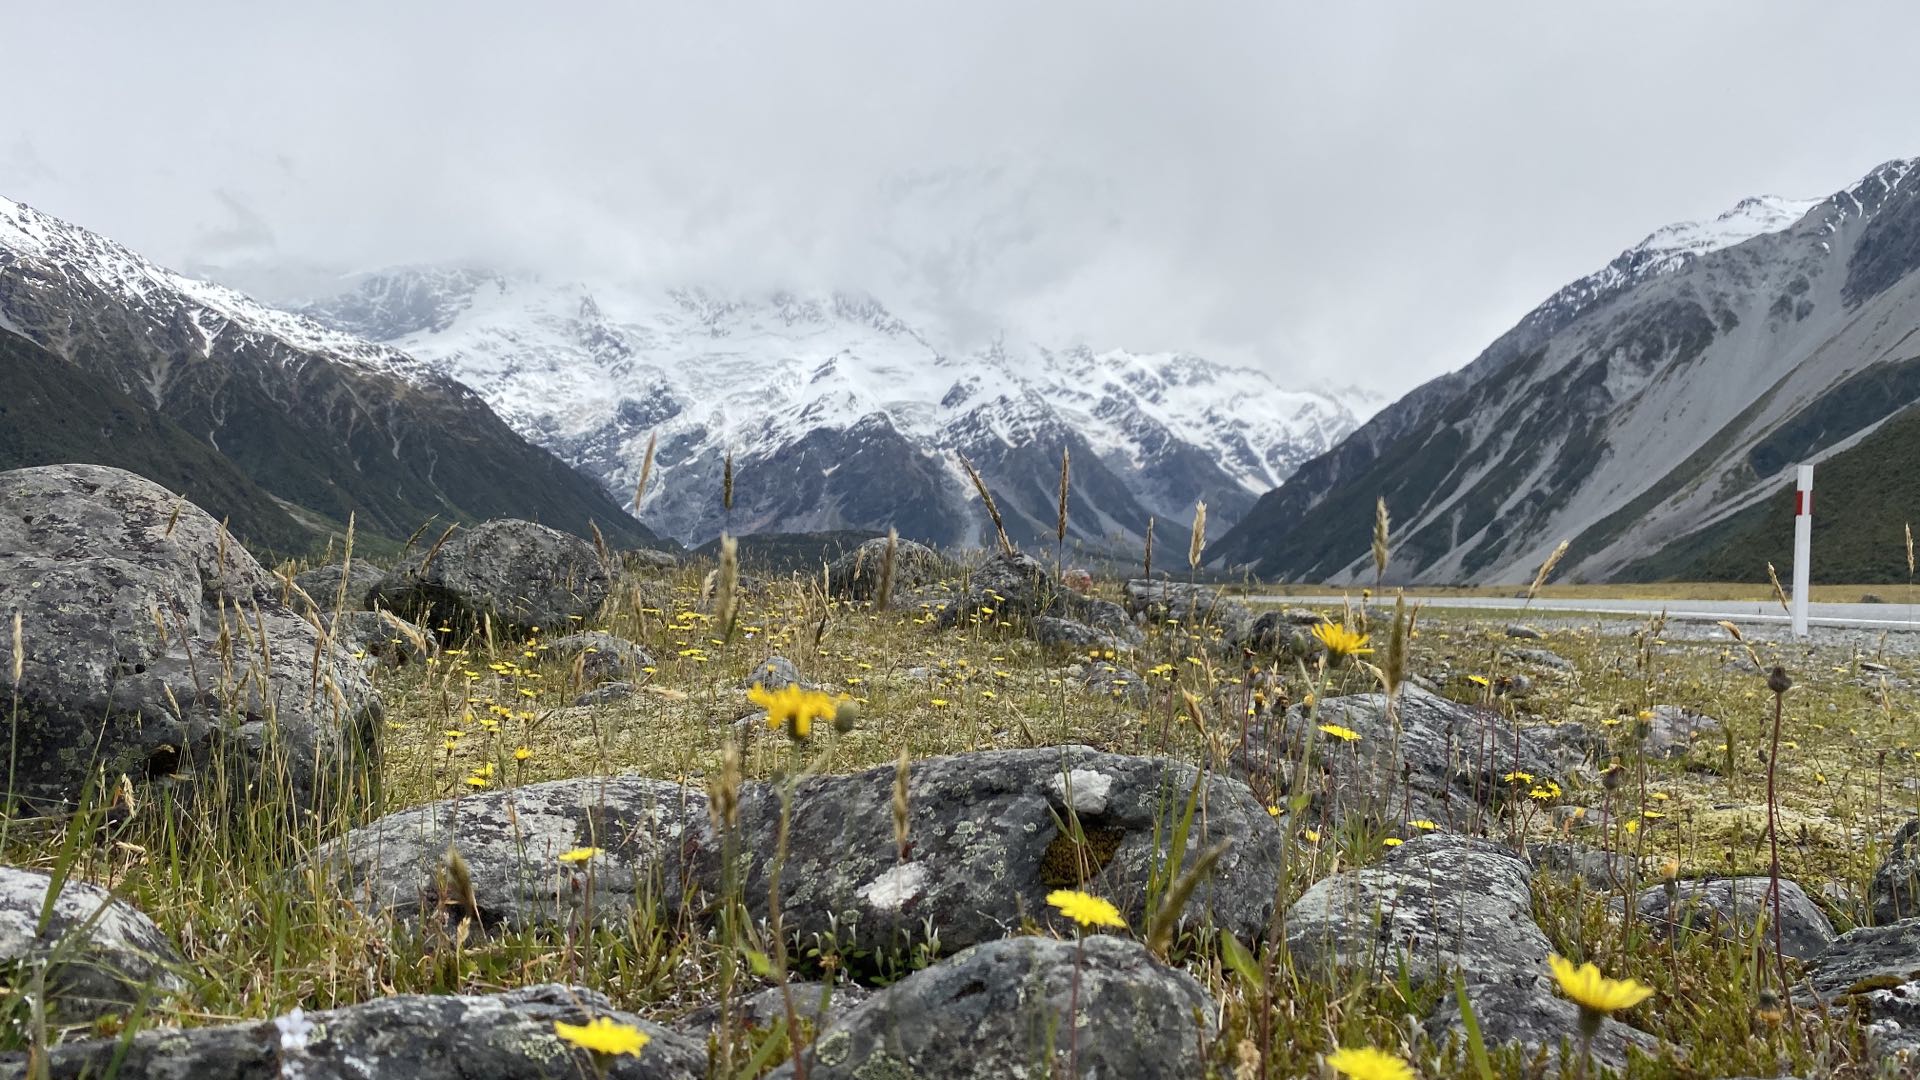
(1802, 503)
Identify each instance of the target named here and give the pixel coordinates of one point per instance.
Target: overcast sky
(1353, 193)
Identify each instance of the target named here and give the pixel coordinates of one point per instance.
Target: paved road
(1739, 612)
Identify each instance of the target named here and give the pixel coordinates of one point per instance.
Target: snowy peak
(1669, 247)
(591, 369)
(1666, 250)
(58, 251)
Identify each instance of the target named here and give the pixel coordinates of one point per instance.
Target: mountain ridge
(1616, 414)
(313, 419)
(592, 370)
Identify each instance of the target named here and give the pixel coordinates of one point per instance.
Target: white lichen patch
(892, 890)
(1083, 791)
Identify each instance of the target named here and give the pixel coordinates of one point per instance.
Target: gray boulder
(1530, 1014)
(506, 1036)
(1011, 588)
(1545, 658)
(102, 955)
(1732, 907)
(381, 638)
(515, 574)
(512, 841)
(815, 1004)
(605, 656)
(1866, 958)
(855, 575)
(1191, 605)
(1436, 903)
(649, 560)
(1104, 616)
(1075, 636)
(774, 673)
(1523, 632)
(988, 841)
(1001, 1009)
(322, 584)
(604, 694)
(1455, 758)
(96, 561)
(1103, 679)
(1894, 893)
(1672, 730)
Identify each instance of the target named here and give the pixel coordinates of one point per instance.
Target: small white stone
(1089, 790)
(892, 890)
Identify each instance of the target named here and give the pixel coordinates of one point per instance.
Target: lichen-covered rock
(1175, 601)
(1104, 616)
(1075, 636)
(1103, 679)
(649, 560)
(101, 955)
(989, 838)
(518, 575)
(1894, 893)
(855, 575)
(1455, 758)
(1523, 632)
(506, 1036)
(605, 656)
(1435, 904)
(381, 638)
(648, 832)
(773, 673)
(1732, 907)
(137, 662)
(1531, 1014)
(815, 1004)
(1545, 658)
(1001, 1009)
(1672, 730)
(1867, 958)
(604, 694)
(1004, 588)
(323, 585)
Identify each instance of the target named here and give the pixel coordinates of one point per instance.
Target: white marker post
(1802, 548)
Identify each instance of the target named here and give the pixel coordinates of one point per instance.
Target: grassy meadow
(490, 714)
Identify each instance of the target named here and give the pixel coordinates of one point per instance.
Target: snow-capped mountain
(842, 413)
(1636, 406)
(263, 416)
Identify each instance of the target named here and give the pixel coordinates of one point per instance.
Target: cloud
(1348, 192)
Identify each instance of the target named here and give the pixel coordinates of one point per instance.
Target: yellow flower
(794, 707)
(939, 702)
(1594, 992)
(1392, 841)
(1086, 909)
(1367, 1063)
(1341, 641)
(1477, 680)
(580, 854)
(1424, 824)
(522, 754)
(604, 1035)
(1344, 734)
